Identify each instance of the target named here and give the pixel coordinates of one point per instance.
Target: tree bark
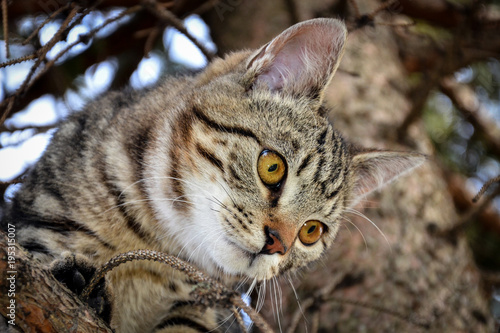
(33, 300)
(415, 277)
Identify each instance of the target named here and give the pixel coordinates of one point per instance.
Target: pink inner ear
(286, 65)
(302, 59)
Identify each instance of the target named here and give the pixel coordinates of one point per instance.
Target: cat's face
(269, 185)
(256, 180)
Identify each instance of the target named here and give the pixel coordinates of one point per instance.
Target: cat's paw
(75, 271)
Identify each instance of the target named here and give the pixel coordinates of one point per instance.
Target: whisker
(358, 213)
(298, 301)
(355, 226)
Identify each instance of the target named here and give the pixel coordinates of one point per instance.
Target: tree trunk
(414, 276)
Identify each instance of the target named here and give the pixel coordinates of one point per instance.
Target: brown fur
(173, 169)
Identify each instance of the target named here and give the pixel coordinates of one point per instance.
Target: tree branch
(467, 104)
(34, 300)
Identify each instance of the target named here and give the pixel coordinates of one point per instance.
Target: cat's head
(260, 176)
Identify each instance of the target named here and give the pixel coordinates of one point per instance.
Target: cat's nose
(274, 242)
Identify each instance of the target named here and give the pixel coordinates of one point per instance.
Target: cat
(235, 169)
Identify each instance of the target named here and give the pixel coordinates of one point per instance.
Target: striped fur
(174, 169)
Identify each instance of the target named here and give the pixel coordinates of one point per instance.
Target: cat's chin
(236, 262)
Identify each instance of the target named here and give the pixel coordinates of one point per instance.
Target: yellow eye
(311, 232)
(271, 168)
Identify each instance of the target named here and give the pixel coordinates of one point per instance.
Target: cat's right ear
(301, 60)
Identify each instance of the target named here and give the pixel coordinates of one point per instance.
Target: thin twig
(42, 53)
(150, 40)
(83, 38)
(18, 60)
(485, 188)
(5, 28)
(47, 20)
(239, 320)
(215, 292)
(174, 21)
(17, 180)
(471, 214)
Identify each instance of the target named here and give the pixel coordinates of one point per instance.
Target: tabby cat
(236, 170)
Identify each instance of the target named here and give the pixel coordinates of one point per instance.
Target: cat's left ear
(300, 61)
(373, 169)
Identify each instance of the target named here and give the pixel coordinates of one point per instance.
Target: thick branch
(34, 300)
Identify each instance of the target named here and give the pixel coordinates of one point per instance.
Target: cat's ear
(301, 60)
(373, 169)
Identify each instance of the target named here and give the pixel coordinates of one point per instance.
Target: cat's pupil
(273, 168)
(311, 229)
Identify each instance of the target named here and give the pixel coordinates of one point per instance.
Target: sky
(24, 147)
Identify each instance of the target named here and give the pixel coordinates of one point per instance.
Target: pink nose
(274, 243)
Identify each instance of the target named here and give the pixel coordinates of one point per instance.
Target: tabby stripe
(136, 149)
(116, 192)
(319, 168)
(321, 139)
(234, 174)
(209, 156)
(60, 225)
(304, 164)
(177, 185)
(130, 221)
(34, 246)
(180, 321)
(224, 128)
(46, 173)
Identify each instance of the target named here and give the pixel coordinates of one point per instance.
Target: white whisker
(355, 226)
(358, 213)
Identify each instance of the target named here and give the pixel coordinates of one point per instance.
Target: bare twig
(239, 320)
(473, 212)
(47, 20)
(18, 60)
(83, 38)
(151, 39)
(485, 188)
(167, 16)
(215, 292)
(41, 53)
(5, 27)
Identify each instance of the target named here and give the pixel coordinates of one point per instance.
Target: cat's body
(235, 170)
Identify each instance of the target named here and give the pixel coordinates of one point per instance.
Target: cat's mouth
(255, 265)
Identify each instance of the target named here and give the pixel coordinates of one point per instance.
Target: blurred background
(59, 55)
